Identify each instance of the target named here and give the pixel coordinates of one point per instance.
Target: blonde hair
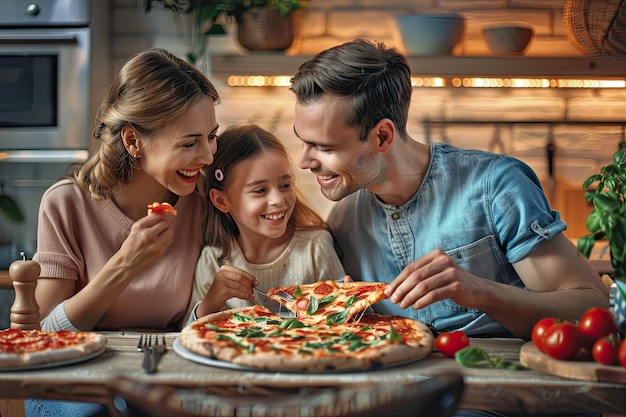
(149, 92)
(234, 145)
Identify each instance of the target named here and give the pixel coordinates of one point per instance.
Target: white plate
(194, 357)
(55, 364)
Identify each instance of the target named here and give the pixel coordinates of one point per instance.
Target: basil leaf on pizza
(326, 334)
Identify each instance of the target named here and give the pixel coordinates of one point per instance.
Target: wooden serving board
(590, 371)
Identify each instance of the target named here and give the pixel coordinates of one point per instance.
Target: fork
(283, 295)
(152, 351)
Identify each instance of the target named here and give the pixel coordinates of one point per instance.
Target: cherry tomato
(539, 331)
(596, 324)
(605, 351)
(621, 353)
(563, 341)
(449, 343)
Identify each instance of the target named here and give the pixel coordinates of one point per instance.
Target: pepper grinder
(25, 310)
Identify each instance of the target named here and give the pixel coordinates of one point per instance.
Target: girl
(258, 230)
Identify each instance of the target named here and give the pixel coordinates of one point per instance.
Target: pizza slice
(161, 208)
(329, 301)
(25, 348)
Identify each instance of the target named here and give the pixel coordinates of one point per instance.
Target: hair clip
(219, 175)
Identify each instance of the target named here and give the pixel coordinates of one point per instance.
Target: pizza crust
(90, 343)
(417, 343)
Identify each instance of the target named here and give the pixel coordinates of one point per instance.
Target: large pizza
(28, 348)
(326, 332)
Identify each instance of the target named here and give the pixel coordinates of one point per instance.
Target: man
(466, 238)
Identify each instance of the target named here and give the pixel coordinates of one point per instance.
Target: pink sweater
(77, 235)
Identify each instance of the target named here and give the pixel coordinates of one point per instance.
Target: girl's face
(259, 195)
(175, 156)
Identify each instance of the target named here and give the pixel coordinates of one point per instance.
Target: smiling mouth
(326, 179)
(274, 216)
(189, 174)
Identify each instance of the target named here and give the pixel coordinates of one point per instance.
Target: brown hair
(375, 78)
(150, 91)
(236, 144)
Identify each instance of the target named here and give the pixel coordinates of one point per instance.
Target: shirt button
(395, 216)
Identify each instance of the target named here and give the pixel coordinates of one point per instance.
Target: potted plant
(211, 17)
(607, 221)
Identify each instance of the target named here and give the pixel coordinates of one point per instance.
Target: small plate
(194, 357)
(55, 364)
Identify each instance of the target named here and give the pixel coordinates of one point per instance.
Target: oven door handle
(50, 155)
(38, 39)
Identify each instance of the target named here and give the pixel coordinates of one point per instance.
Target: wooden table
(487, 389)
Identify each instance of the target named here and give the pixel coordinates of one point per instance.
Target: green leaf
(351, 300)
(475, 357)
(589, 181)
(337, 318)
(394, 336)
(251, 332)
(10, 209)
(297, 293)
(585, 245)
(607, 201)
(242, 317)
(313, 306)
(327, 299)
(291, 323)
(593, 221)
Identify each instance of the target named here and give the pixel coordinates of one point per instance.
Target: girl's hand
(229, 282)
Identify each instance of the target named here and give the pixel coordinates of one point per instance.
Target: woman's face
(259, 195)
(175, 156)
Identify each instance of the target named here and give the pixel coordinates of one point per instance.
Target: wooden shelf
(601, 67)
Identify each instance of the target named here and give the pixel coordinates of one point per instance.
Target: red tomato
(539, 331)
(563, 341)
(449, 343)
(605, 351)
(596, 324)
(621, 353)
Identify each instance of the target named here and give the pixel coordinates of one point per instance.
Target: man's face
(332, 150)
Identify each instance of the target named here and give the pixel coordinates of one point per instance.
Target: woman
(105, 263)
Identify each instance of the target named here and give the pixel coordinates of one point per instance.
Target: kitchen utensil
(285, 296)
(510, 39)
(152, 351)
(430, 33)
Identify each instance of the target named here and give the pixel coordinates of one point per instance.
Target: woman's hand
(149, 239)
(147, 242)
(229, 282)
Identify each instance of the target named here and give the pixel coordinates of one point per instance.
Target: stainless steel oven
(44, 77)
(45, 53)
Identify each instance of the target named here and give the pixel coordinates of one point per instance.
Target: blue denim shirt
(487, 211)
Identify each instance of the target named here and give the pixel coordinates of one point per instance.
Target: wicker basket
(596, 27)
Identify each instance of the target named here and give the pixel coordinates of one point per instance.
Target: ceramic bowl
(508, 39)
(430, 34)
